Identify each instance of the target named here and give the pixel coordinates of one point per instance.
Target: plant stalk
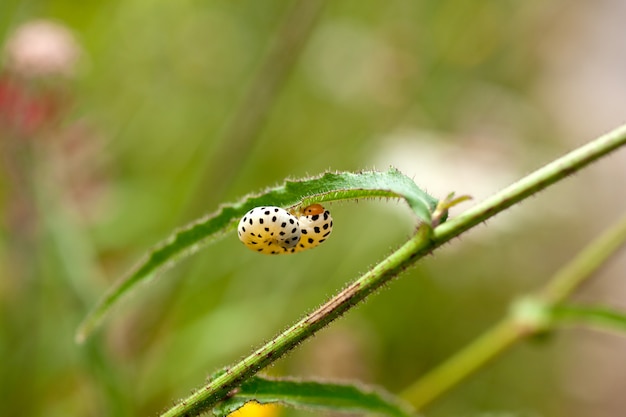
(482, 350)
(591, 258)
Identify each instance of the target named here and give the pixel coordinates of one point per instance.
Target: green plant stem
(592, 257)
(417, 247)
(533, 183)
(516, 328)
(493, 342)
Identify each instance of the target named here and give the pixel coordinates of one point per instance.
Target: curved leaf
(325, 188)
(345, 398)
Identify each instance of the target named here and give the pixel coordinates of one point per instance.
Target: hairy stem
(421, 244)
(533, 183)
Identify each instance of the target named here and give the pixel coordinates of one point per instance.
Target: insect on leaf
(292, 194)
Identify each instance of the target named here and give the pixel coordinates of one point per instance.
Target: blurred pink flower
(36, 50)
(42, 48)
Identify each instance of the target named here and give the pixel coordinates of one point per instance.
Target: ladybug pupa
(269, 230)
(273, 230)
(316, 224)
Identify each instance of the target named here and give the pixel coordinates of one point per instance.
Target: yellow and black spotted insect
(273, 230)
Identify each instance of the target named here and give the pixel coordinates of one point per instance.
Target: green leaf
(345, 398)
(597, 316)
(292, 194)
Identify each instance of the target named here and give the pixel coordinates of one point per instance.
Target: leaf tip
(84, 330)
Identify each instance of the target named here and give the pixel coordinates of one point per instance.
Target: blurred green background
(131, 118)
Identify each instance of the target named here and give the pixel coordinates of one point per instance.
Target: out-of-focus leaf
(596, 316)
(346, 398)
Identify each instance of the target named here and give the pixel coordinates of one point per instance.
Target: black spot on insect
(291, 221)
(260, 250)
(253, 242)
(275, 210)
(315, 217)
(304, 231)
(301, 245)
(274, 252)
(252, 234)
(311, 240)
(293, 250)
(326, 215)
(326, 234)
(274, 218)
(321, 240)
(267, 212)
(250, 221)
(294, 230)
(267, 229)
(245, 218)
(316, 229)
(282, 233)
(261, 221)
(325, 226)
(283, 224)
(243, 229)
